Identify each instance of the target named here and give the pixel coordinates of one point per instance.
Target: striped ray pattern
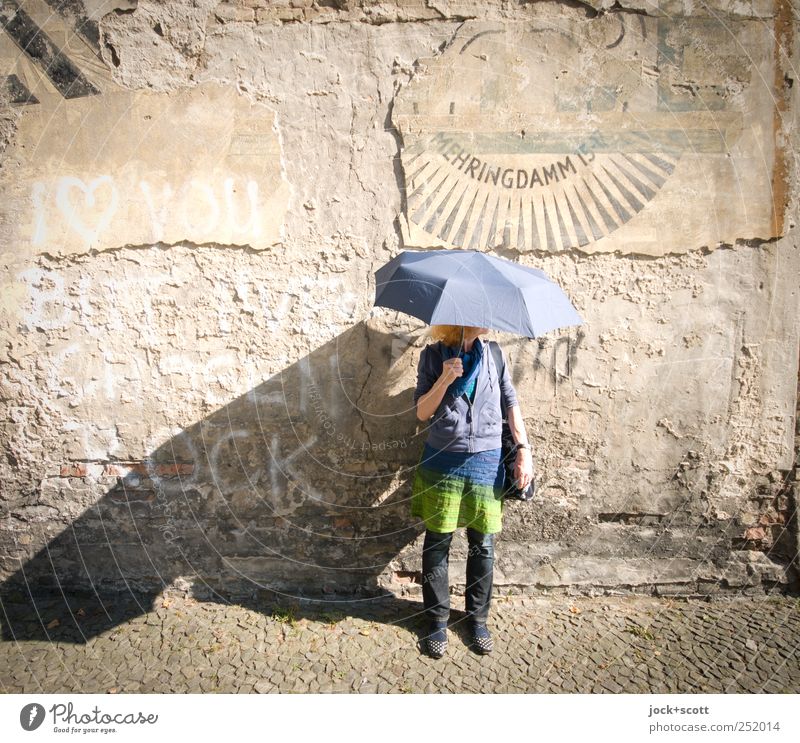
(577, 211)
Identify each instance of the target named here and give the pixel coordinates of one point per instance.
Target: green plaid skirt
(455, 489)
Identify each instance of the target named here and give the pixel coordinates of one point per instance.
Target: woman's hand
(429, 402)
(523, 468)
(452, 369)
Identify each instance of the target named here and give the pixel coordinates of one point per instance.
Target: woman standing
(459, 479)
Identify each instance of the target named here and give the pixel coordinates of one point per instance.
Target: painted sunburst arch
(540, 202)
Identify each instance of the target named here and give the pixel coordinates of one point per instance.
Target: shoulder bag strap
(500, 365)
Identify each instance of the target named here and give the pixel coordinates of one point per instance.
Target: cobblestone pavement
(543, 644)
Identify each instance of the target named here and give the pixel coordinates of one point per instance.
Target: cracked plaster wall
(196, 391)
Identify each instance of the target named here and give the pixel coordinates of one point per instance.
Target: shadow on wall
(297, 489)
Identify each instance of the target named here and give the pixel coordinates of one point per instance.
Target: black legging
(480, 573)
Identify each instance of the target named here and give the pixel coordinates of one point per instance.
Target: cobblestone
(549, 644)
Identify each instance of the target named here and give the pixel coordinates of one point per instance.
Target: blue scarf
(471, 361)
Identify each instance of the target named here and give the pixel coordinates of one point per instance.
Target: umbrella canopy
(466, 287)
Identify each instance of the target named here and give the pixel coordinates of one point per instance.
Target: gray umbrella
(466, 287)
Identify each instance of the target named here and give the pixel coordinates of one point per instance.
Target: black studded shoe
(482, 639)
(436, 641)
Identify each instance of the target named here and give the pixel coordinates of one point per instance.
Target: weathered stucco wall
(195, 389)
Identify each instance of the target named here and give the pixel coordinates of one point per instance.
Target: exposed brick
(76, 469)
(114, 470)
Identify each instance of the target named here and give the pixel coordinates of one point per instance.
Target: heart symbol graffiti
(74, 218)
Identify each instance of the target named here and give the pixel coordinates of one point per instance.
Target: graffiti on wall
(90, 210)
(97, 166)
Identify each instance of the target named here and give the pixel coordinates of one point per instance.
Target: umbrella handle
(461, 345)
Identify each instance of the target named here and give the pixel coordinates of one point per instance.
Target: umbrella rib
(528, 312)
(497, 270)
(505, 278)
